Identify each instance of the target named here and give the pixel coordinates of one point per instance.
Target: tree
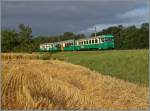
(125, 38)
(145, 26)
(25, 33)
(25, 39)
(130, 37)
(8, 40)
(80, 36)
(68, 34)
(144, 35)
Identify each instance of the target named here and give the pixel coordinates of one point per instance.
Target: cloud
(138, 15)
(52, 18)
(134, 17)
(100, 27)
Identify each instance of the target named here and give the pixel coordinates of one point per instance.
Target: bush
(45, 56)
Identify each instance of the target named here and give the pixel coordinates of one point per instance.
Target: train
(101, 42)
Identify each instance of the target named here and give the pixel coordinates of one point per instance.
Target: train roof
(70, 40)
(101, 36)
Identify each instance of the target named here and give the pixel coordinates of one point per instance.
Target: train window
(89, 41)
(84, 42)
(96, 41)
(108, 39)
(92, 41)
(79, 43)
(72, 44)
(75, 43)
(69, 44)
(66, 44)
(102, 39)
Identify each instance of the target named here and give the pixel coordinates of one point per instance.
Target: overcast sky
(56, 17)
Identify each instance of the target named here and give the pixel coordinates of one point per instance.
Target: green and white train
(91, 43)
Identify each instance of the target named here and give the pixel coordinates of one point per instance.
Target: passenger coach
(92, 43)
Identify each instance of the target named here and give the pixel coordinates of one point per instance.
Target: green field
(130, 65)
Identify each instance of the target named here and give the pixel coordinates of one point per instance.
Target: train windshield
(108, 39)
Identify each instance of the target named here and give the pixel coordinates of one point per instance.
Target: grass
(130, 65)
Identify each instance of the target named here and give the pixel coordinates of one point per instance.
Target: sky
(80, 16)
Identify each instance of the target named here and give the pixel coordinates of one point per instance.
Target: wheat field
(29, 83)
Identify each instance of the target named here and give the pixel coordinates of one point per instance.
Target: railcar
(92, 43)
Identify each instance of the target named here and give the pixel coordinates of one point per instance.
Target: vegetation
(130, 65)
(23, 41)
(31, 81)
(129, 37)
(45, 56)
(37, 84)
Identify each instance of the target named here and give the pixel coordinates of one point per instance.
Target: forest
(131, 37)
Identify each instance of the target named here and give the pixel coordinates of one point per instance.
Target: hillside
(129, 65)
(52, 84)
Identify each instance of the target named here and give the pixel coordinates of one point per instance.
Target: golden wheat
(52, 84)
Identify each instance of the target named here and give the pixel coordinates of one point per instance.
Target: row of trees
(12, 41)
(23, 41)
(129, 37)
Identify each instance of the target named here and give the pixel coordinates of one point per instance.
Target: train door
(62, 46)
